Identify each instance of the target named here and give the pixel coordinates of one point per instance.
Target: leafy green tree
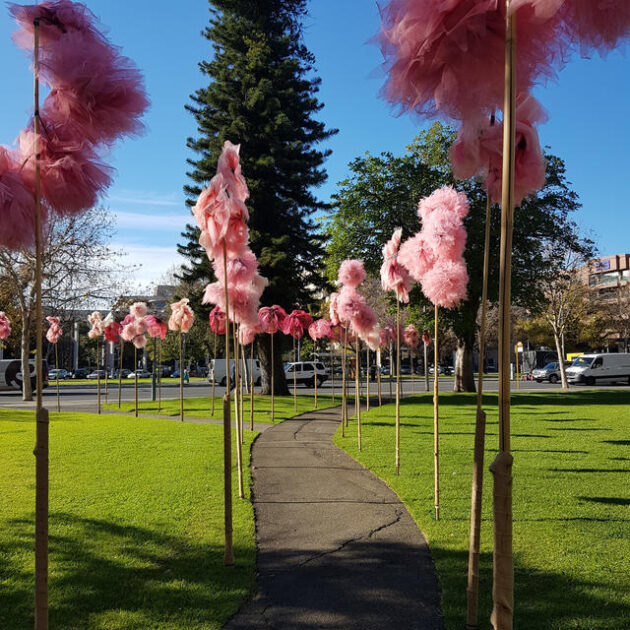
(261, 93)
(382, 193)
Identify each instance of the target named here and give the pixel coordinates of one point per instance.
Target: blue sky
(588, 126)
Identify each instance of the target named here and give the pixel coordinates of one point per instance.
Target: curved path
(336, 547)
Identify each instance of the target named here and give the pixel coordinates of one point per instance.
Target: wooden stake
(251, 388)
(98, 377)
(228, 553)
(238, 403)
(472, 589)
(272, 381)
(344, 399)
(357, 388)
(332, 369)
(181, 377)
(135, 371)
(105, 362)
(397, 387)
(426, 367)
(378, 377)
(120, 360)
(294, 377)
(57, 366)
(41, 415)
(501, 468)
(436, 419)
(315, 375)
(367, 381)
(214, 356)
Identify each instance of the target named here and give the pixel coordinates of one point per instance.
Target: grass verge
(201, 407)
(571, 501)
(136, 524)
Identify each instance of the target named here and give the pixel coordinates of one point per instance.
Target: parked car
(80, 373)
(11, 374)
(217, 370)
(125, 373)
(59, 373)
(550, 372)
(446, 370)
(600, 368)
(94, 375)
(140, 373)
(303, 372)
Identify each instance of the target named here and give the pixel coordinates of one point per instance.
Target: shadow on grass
(618, 442)
(136, 576)
(607, 500)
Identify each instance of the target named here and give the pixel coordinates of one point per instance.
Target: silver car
(551, 372)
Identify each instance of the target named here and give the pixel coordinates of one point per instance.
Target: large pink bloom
(182, 317)
(332, 309)
(351, 273)
(138, 310)
(416, 256)
(394, 276)
(272, 318)
(229, 166)
(411, 336)
(295, 323)
(54, 332)
(98, 326)
(112, 331)
(446, 283)
(320, 329)
(217, 321)
(5, 326)
(247, 333)
(155, 326)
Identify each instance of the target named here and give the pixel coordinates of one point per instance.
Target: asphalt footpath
(336, 547)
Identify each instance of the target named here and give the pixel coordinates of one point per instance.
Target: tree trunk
(464, 367)
(563, 373)
(27, 393)
(264, 354)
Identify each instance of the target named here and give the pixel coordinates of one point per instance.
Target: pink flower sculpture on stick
(319, 329)
(394, 276)
(217, 321)
(54, 332)
(411, 337)
(182, 317)
(156, 327)
(271, 320)
(5, 326)
(98, 327)
(294, 324)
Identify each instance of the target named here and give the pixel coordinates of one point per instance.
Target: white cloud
(152, 222)
(146, 198)
(151, 262)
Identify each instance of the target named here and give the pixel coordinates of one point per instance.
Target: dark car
(80, 373)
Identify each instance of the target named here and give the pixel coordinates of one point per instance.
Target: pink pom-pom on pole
(54, 332)
(416, 257)
(446, 283)
(247, 333)
(411, 336)
(295, 323)
(320, 329)
(394, 276)
(155, 327)
(351, 273)
(5, 326)
(272, 318)
(182, 317)
(112, 331)
(216, 319)
(98, 326)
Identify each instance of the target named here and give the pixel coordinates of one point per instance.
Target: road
(83, 397)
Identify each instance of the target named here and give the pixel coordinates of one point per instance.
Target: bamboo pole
(367, 380)
(241, 381)
(332, 369)
(294, 377)
(181, 376)
(105, 363)
(411, 366)
(472, 589)
(251, 388)
(41, 415)
(273, 393)
(135, 372)
(98, 377)
(57, 366)
(159, 374)
(344, 399)
(120, 361)
(357, 388)
(228, 553)
(214, 356)
(391, 369)
(436, 418)
(501, 468)
(378, 377)
(315, 374)
(238, 414)
(397, 387)
(426, 367)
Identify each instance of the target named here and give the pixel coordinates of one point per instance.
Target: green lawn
(113, 382)
(136, 524)
(202, 406)
(571, 501)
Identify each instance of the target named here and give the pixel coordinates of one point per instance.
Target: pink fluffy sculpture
(295, 323)
(247, 333)
(138, 310)
(182, 317)
(415, 256)
(54, 332)
(98, 326)
(445, 285)
(411, 336)
(387, 335)
(216, 319)
(351, 273)
(478, 150)
(394, 276)
(320, 329)
(112, 331)
(426, 337)
(155, 327)
(272, 318)
(5, 326)
(332, 309)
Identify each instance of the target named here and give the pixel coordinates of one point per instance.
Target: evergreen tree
(262, 94)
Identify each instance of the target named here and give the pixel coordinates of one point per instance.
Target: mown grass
(571, 501)
(136, 524)
(200, 407)
(126, 381)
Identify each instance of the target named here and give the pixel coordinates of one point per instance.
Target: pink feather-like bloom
(17, 204)
(394, 276)
(240, 269)
(337, 333)
(155, 327)
(229, 166)
(446, 57)
(247, 333)
(416, 256)
(426, 337)
(5, 326)
(217, 321)
(364, 322)
(349, 304)
(387, 336)
(320, 329)
(332, 309)
(411, 336)
(351, 273)
(98, 326)
(129, 331)
(182, 317)
(478, 150)
(112, 331)
(446, 283)
(295, 323)
(54, 332)
(272, 318)
(138, 310)
(140, 341)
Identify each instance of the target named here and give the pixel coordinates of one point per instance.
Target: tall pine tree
(262, 94)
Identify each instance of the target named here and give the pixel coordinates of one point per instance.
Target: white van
(304, 373)
(217, 370)
(11, 375)
(600, 368)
